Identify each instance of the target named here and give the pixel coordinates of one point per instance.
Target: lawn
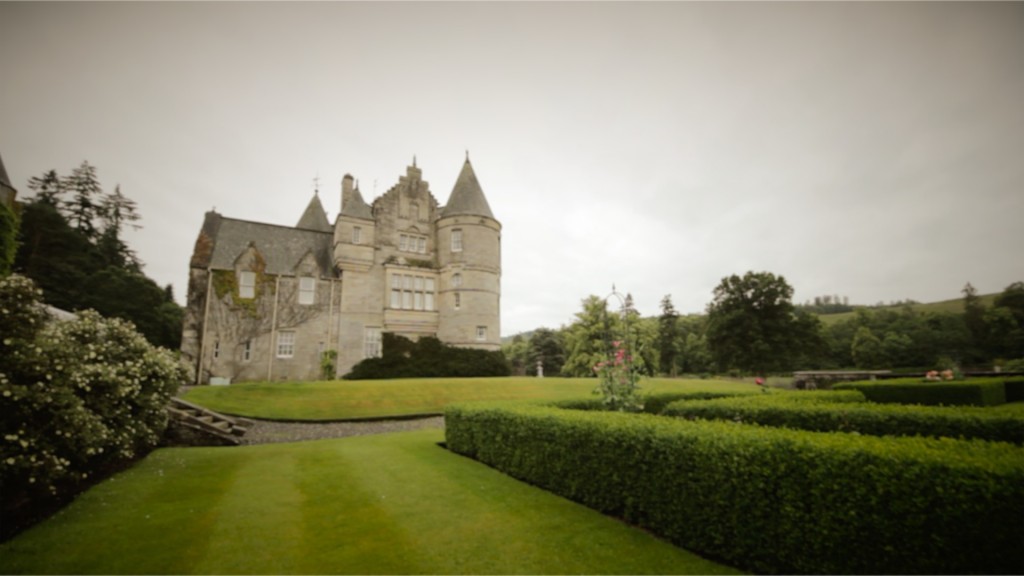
(395, 504)
(344, 399)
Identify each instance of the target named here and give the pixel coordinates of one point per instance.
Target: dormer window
(246, 284)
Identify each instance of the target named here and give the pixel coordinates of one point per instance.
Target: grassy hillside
(953, 305)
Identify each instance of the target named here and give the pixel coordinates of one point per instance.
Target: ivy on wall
(225, 282)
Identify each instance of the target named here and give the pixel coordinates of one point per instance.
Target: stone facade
(269, 302)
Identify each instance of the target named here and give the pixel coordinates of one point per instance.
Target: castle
(269, 302)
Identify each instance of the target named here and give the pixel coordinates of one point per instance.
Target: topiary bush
(976, 392)
(75, 397)
(428, 357)
(860, 417)
(769, 500)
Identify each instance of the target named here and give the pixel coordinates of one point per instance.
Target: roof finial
(413, 160)
(467, 154)
(316, 183)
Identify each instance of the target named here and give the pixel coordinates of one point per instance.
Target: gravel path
(267, 432)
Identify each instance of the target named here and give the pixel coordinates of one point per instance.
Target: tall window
(428, 294)
(246, 284)
(481, 332)
(307, 290)
(247, 351)
(457, 240)
(216, 349)
(411, 243)
(458, 300)
(285, 344)
(357, 235)
(410, 292)
(457, 280)
(371, 343)
(396, 291)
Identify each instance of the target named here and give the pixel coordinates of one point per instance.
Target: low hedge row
(764, 499)
(653, 403)
(863, 417)
(1014, 389)
(977, 392)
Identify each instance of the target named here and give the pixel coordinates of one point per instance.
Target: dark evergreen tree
(85, 205)
(545, 345)
(49, 188)
(668, 336)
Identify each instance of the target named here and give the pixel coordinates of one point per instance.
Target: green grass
(396, 504)
(344, 399)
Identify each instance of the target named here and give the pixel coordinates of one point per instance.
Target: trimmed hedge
(769, 500)
(1014, 389)
(976, 392)
(428, 357)
(863, 418)
(653, 403)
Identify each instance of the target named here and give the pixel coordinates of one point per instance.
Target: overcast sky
(874, 151)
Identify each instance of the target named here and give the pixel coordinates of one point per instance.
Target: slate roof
(467, 197)
(356, 207)
(314, 218)
(282, 247)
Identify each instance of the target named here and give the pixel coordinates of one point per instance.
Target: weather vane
(316, 183)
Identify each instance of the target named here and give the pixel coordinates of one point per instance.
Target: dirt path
(267, 432)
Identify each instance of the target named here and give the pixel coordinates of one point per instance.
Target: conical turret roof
(355, 206)
(467, 197)
(314, 218)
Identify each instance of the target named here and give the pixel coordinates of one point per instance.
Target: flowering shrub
(74, 396)
(618, 381)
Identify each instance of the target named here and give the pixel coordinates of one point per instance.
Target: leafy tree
(867, 350)
(1008, 324)
(9, 224)
(78, 270)
(587, 339)
(974, 318)
(752, 325)
(545, 345)
(668, 335)
(515, 352)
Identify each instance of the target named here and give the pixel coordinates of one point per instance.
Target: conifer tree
(49, 188)
(668, 332)
(85, 205)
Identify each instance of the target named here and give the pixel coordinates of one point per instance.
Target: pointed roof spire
(352, 204)
(467, 196)
(314, 218)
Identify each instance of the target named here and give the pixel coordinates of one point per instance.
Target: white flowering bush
(74, 396)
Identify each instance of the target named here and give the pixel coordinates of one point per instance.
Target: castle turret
(354, 230)
(469, 259)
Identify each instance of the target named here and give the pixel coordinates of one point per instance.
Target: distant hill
(953, 305)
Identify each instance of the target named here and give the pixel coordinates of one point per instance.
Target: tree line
(70, 242)
(751, 326)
